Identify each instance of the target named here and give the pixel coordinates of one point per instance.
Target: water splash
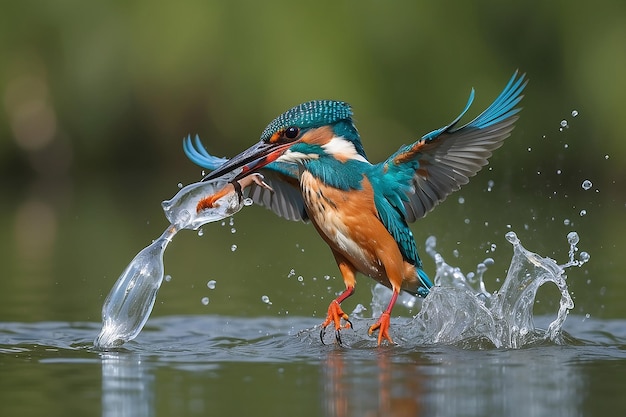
(182, 210)
(129, 303)
(459, 308)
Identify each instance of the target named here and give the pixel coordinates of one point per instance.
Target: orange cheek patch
(276, 136)
(319, 136)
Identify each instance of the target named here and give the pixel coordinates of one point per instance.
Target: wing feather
(444, 159)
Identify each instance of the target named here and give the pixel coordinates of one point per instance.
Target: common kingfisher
(315, 169)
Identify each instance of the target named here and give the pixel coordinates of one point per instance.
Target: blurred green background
(97, 96)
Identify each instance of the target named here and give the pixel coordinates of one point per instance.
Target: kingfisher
(315, 169)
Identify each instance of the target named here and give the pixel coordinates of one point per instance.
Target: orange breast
(348, 221)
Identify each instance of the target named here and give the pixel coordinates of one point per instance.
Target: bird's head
(307, 131)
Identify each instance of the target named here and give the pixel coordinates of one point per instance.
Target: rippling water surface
(467, 352)
(216, 365)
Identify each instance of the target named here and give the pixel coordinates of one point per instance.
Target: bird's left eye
(292, 132)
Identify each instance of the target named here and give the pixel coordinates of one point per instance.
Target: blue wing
(389, 200)
(284, 199)
(444, 159)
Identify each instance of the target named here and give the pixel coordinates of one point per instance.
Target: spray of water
(460, 309)
(128, 305)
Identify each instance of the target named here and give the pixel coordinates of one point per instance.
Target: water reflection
(127, 386)
(355, 388)
(537, 383)
(448, 382)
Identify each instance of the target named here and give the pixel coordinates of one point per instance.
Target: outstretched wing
(284, 198)
(444, 159)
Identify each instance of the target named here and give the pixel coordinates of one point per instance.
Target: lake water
(268, 366)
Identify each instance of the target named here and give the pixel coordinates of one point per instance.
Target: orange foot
(335, 315)
(382, 325)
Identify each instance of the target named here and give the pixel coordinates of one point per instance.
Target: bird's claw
(242, 183)
(348, 325)
(335, 315)
(382, 325)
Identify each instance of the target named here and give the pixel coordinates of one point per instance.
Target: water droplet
(530, 149)
(587, 184)
(583, 212)
(558, 172)
(358, 309)
(233, 230)
(512, 237)
(564, 123)
(606, 157)
(300, 278)
(231, 221)
(266, 299)
(467, 221)
(211, 284)
(490, 185)
(584, 257)
(248, 202)
(167, 278)
(461, 200)
(205, 300)
(493, 247)
(566, 222)
(455, 253)
(233, 248)
(200, 232)
(326, 277)
(572, 238)
(291, 273)
(574, 113)
(180, 185)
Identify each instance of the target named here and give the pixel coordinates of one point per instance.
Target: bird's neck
(344, 174)
(335, 162)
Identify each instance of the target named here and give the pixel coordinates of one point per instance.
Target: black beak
(252, 159)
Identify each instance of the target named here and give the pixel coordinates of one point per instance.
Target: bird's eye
(292, 132)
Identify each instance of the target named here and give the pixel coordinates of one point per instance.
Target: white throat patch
(296, 157)
(343, 149)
